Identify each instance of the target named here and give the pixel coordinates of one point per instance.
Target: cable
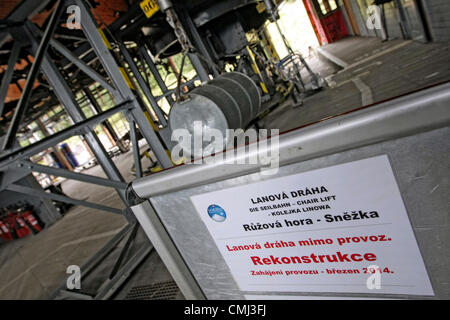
(180, 72)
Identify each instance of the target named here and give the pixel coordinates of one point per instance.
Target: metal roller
(222, 98)
(251, 88)
(197, 108)
(239, 94)
(230, 101)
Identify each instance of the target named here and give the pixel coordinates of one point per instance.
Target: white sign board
(337, 229)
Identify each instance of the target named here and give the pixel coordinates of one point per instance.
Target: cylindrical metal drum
(230, 101)
(251, 88)
(185, 115)
(222, 97)
(239, 93)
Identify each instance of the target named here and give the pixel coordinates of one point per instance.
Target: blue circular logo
(216, 213)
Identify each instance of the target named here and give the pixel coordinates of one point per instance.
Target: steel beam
(77, 61)
(142, 84)
(199, 68)
(124, 251)
(136, 153)
(116, 282)
(154, 70)
(26, 93)
(67, 99)
(24, 10)
(77, 129)
(103, 252)
(7, 76)
(83, 66)
(61, 157)
(90, 29)
(42, 194)
(198, 65)
(34, 167)
(93, 101)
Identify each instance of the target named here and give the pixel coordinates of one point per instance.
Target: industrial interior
(92, 91)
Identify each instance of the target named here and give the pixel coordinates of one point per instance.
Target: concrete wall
(437, 15)
(412, 24)
(393, 28)
(360, 8)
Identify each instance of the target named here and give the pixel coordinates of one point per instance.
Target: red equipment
(18, 221)
(5, 234)
(31, 221)
(21, 227)
(17, 225)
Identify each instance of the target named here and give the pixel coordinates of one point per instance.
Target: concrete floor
(370, 71)
(33, 267)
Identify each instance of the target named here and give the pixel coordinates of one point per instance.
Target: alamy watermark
(374, 280)
(74, 18)
(206, 145)
(74, 280)
(374, 19)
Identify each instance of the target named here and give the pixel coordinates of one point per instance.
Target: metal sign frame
(158, 199)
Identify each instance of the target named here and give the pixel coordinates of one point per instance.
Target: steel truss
(128, 102)
(130, 96)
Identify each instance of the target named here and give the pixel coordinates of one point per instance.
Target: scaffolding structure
(105, 56)
(128, 97)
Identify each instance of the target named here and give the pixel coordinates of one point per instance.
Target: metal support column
(61, 157)
(77, 129)
(34, 167)
(38, 57)
(154, 70)
(42, 194)
(142, 84)
(204, 53)
(136, 152)
(47, 210)
(100, 47)
(7, 76)
(66, 97)
(93, 101)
